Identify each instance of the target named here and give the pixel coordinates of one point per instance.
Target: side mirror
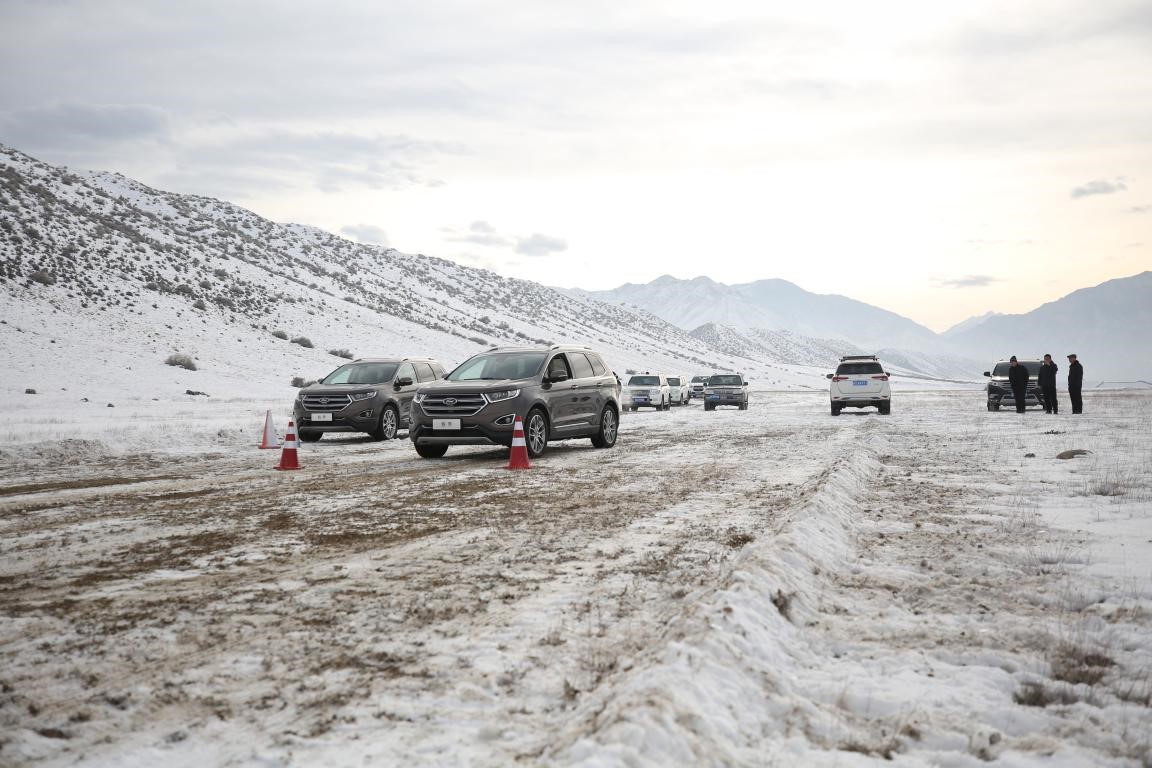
(828, 376)
(986, 373)
(404, 382)
(557, 377)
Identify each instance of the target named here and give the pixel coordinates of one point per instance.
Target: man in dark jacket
(1018, 380)
(1047, 381)
(1075, 382)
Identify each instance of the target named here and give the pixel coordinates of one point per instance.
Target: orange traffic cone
(518, 458)
(288, 458)
(270, 439)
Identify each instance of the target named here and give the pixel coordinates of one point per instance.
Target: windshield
(645, 381)
(699, 379)
(362, 373)
(1033, 367)
(857, 369)
(725, 381)
(500, 365)
(673, 381)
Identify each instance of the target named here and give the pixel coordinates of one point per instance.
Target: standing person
(1047, 381)
(1075, 382)
(1018, 380)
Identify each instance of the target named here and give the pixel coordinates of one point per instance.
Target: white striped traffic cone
(270, 439)
(288, 459)
(518, 458)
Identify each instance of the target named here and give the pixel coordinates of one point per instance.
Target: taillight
(839, 378)
(882, 378)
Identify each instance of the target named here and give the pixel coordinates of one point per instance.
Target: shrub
(181, 360)
(43, 277)
(280, 334)
(341, 353)
(199, 304)
(303, 341)
(298, 382)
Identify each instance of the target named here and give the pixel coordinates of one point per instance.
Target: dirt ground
(204, 609)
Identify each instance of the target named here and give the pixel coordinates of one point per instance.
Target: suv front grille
(325, 403)
(453, 405)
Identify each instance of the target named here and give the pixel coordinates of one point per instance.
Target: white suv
(860, 382)
(646, 390)
(678, 390)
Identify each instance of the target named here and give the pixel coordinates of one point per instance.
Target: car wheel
(709, 406)
(431, 451)
(605, 437)
(536, 432)
(743, 406)
(308, 436)
(835, 410)
(885, 409)
(995, 406)
(388, 426)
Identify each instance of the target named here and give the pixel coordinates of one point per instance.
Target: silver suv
(726, 389)
(372, 395)
(560, 392)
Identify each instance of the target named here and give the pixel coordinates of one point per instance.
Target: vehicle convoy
(1000, 391)
(696, 386)
(372, 395)
(726, 389)
(560, 392)
(860, 382)
(647, 390)
(678, 390)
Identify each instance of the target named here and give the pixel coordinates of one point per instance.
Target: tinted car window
(581, 368)
(859, 369)
(673, 381)
(506, 365)
(1033, 367)
(424, 371)
(598, 366)
(645, 381)
(559, 366)
(406, 372)
(361, 373)
(726, 381)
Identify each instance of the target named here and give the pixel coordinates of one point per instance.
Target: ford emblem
(449, 401)
(323, 401)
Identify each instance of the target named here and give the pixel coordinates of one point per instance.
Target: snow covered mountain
(1106, 326)
(772, 304)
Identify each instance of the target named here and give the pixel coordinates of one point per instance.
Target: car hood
(340, 389)
(444, 387)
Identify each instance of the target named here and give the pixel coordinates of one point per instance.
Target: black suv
(560, 392)
(726, 389)
(1000, 391)
(372, 395)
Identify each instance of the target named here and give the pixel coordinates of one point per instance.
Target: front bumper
(358, 419)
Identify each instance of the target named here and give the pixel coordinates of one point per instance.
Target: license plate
(859, 383)
(321, 417)
(713, 397)
(445, 423)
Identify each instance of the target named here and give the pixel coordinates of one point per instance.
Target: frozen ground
(774, 587)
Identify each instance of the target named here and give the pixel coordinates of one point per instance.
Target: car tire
(885, 408)
(309, 436)
(536, 432)
(835, 410)
(431, 451)
(605, 436)
(743, 406)
(709, 406)
(388, 425)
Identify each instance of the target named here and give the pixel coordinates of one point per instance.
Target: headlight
(419, 398)
(507, 394)
(363, 395)
(653, 393)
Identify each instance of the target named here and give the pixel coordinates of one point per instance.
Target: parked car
(860, 382)
(560, 392)
(372, 395)
(1000, 392)
(678, 390)
(647, 390)
(696, 386)
(726, 389)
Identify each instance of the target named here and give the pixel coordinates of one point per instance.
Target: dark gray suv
(560, 392)
(372, 395)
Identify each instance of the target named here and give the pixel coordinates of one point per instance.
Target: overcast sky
(937, 159)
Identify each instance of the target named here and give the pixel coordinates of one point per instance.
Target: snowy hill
(102, 274)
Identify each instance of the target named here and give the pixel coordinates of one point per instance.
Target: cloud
(369, 234)
(66, 125)
(1099, 187)
(1140, 209)
(540, 245)
(481, 233)
(970, 281)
